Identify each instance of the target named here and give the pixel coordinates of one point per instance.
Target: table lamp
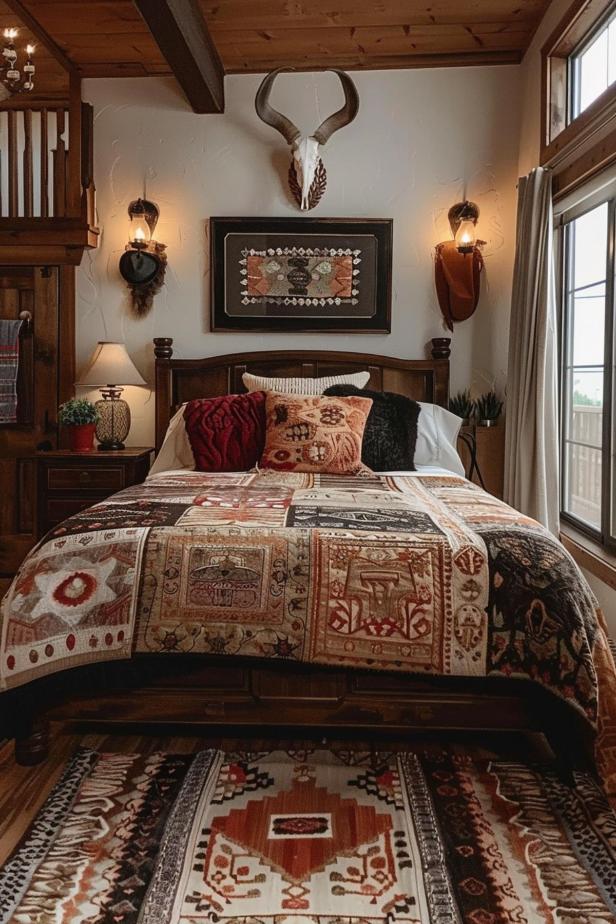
(110, 369)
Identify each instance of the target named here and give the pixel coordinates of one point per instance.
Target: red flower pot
(81, 437)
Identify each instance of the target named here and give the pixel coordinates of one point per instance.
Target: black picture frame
(365, 309)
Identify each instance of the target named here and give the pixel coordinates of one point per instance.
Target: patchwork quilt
(425, 574)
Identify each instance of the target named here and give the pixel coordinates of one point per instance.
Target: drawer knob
(84, 477)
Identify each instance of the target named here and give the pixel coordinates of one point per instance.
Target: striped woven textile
(9, 367)
(303, 836)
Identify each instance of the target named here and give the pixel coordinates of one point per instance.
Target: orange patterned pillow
(314, 434)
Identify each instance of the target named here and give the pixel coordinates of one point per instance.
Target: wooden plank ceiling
(109, 37)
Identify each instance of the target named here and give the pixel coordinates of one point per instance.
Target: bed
(312, 551)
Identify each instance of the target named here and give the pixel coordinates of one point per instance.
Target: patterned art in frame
(301, 274)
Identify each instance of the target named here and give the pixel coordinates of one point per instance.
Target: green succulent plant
(77, 411)
(462, 405)
(488, 406)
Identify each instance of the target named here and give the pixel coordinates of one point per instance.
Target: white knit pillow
(303, 386)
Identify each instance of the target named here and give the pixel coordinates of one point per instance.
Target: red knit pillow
(226, 434)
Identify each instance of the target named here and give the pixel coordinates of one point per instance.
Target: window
(579, 80)
(587, 407)
(593, 66)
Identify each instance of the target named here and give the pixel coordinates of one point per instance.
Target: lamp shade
(111, 365)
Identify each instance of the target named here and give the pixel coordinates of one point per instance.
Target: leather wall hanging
(458, 266)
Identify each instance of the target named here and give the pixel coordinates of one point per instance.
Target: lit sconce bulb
(139, 234)
(466, 236)
(18, 80)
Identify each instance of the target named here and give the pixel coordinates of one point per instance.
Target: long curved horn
(271, 116)
(344, 115)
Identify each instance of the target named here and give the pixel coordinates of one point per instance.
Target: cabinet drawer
(61, 508)
(95, 478)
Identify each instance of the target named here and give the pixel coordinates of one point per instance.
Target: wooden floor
(24, 789)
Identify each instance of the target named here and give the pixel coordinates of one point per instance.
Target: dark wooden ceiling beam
(181, 33)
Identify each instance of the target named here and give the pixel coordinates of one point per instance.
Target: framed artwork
(298, 274)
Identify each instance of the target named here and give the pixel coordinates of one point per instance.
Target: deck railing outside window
(584, 471)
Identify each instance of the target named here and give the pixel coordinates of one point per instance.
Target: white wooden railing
(46, 162)
(33, 168)
(584, 469)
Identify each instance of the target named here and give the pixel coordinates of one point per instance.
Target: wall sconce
(463, 218)
(144, 260)
(458, 265)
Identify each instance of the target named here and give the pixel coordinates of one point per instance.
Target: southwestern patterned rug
(314, 837)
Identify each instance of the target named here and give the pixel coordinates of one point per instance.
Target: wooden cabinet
(68, 482)
(45, 379)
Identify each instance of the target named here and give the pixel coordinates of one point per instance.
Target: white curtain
(531, 443)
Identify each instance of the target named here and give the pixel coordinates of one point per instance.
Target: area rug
(314, 837)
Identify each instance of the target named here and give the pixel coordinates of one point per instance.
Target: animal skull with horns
(307, 175)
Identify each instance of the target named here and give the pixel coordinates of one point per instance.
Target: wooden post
(59, 168)
(44, 157)
(163, 351)
(13, 166)
(27, 168)
(73, 188)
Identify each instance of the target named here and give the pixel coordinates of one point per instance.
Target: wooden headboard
(179, 380)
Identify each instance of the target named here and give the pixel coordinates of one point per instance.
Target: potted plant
(79, 416)
(462, 405)
(488, 408)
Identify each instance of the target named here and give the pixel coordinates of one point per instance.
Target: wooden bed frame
(179, 380)
(239, 696)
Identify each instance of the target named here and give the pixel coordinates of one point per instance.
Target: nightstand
(68, 482)
(482, 450)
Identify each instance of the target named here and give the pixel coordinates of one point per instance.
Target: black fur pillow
(391, 429)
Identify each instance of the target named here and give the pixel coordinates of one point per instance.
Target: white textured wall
(422, 140)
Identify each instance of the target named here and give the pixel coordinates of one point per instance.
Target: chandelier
(10, 75)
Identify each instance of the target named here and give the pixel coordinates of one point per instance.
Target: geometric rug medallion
(314, 837)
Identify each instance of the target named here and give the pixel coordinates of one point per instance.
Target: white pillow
(299, 386)
(437, 436)
(176, 452)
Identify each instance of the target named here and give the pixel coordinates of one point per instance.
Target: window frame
(606, 534)
(573, 63)
(565, 139)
